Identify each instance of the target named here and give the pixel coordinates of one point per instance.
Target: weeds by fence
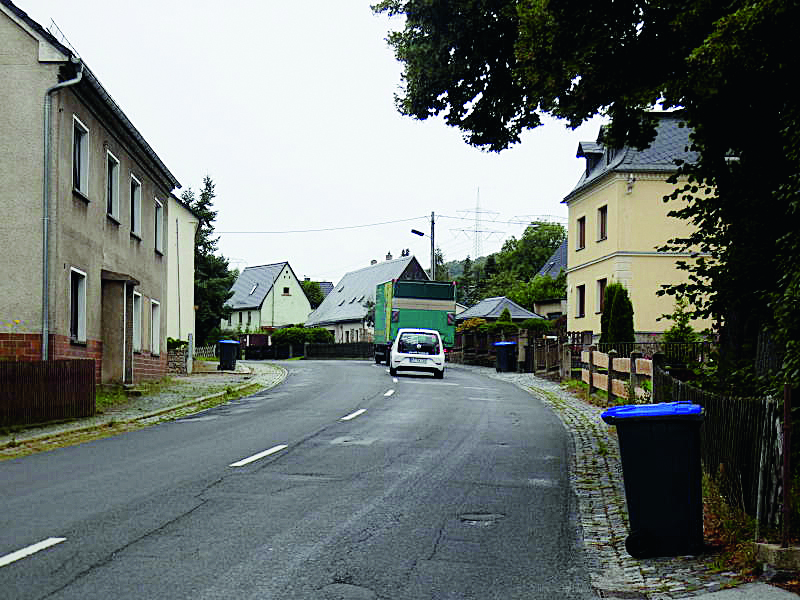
(41, 391)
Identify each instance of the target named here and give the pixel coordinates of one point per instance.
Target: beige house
(180, 269)
(266, 296)
(85, 203)
(617, 220)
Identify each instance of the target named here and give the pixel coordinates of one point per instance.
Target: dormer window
(254, 289)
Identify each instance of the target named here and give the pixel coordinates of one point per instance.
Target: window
(249, 318)
(112, 185)
(601, 294)
(252, 291)
(580, 301)
(602, 223)
(285, 291)
(581, 233)
(159, 226)
(80, 157)
(136, 206)
(137, 322)
(155, 327)
(240, 319)
(77, 305)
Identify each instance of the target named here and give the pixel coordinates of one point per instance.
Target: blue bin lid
(504, 344)
(653, 411)
(228, 342)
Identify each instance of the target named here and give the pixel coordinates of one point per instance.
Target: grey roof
(490, 308)
(90, 82)
(326, 287)
(346, 301)
(253, 285)
(670, 144)
(556, 262)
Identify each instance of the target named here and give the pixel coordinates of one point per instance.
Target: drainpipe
(46, 208)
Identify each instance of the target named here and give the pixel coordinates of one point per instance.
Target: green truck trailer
(403, 304)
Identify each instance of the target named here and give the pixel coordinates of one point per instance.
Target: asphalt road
(454, 488)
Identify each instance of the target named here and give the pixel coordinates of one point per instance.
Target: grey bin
(228, 353)
(506, 353)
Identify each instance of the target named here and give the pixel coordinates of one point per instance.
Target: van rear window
(418, 343)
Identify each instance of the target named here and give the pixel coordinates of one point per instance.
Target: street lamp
(433, 253)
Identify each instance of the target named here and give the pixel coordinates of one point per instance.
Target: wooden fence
(42, 391)
(347, 350)
(622, 377)
(741, 444)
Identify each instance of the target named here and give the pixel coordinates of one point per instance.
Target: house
(344, 310)
(617, 220)
(85, 201)
(181, 231)
(490, 309)
(553, 308)
(266, 296)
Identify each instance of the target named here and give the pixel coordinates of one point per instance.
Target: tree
(524, 258)
(442, 273)
(213, 278)
(489, 68)
(313, 292)
(608, 304)
(617, 316)
(538, 289)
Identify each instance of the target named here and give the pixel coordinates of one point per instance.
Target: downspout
(46, 209)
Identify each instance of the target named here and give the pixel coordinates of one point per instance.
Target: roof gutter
(46, 207)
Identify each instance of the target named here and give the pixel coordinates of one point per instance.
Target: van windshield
(418, 343)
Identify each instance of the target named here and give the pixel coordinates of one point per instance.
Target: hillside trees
(491, 68)
(212, 276)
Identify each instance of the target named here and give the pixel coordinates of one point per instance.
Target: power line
(321, 229)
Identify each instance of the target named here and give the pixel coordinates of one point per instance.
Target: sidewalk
(596, 477)
(185, 394)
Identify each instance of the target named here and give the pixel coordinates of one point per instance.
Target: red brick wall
(147, 367)
(28, 346)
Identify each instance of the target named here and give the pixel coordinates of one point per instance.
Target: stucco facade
(99, 291)
(267, 296)
(617, 220)
(181, 230)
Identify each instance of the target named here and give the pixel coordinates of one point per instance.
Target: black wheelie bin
(506, 356)
(659, 447)
(228, 353)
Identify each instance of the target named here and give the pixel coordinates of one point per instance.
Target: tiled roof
(491, 308)
(326, 287)
(670, 144)
(253, 285)
(556, 262)
(346, 301)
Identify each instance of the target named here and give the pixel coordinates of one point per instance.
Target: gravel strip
(596, 478)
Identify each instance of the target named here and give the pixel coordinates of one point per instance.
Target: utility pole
(433, 252)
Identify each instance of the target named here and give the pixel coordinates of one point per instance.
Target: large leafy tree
(491, 67)
(313, 292)
(213, 278)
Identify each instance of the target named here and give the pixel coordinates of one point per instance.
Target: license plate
(418, 360)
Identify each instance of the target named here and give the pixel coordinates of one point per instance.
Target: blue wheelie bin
(659, 447)
(506, 356)
(228, 353)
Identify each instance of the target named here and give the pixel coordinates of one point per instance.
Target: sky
(289, 108)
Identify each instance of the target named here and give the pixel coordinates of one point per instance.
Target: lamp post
(433, 246)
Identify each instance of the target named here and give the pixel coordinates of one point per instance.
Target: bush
(537, 327)
(173, 344)
(319, 335)
(475, 324)
(505, 327)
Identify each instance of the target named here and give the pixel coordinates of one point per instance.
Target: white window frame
(112, 185)
(580, 301)
(580, 240)
(137, 321)
(601, 285)
(136, 206)
(80, 335)
(155, 327)
(159, 225)
(602, 223)
(81, 148)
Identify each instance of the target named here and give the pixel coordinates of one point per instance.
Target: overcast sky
(289, 108)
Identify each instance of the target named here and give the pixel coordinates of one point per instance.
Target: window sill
(159, 252)
(136, 236)
(80, 195)
(581, 248)
(603, 239)
(580, 316)
(74, 342)
(113, 219)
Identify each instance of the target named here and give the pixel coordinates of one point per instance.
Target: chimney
(389, 256)
(373, 262)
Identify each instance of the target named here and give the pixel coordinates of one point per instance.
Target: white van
(417, 350)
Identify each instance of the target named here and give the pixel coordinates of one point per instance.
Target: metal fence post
(591, 372)
(634, 378)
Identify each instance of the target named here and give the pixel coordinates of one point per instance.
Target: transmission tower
(477, 230)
